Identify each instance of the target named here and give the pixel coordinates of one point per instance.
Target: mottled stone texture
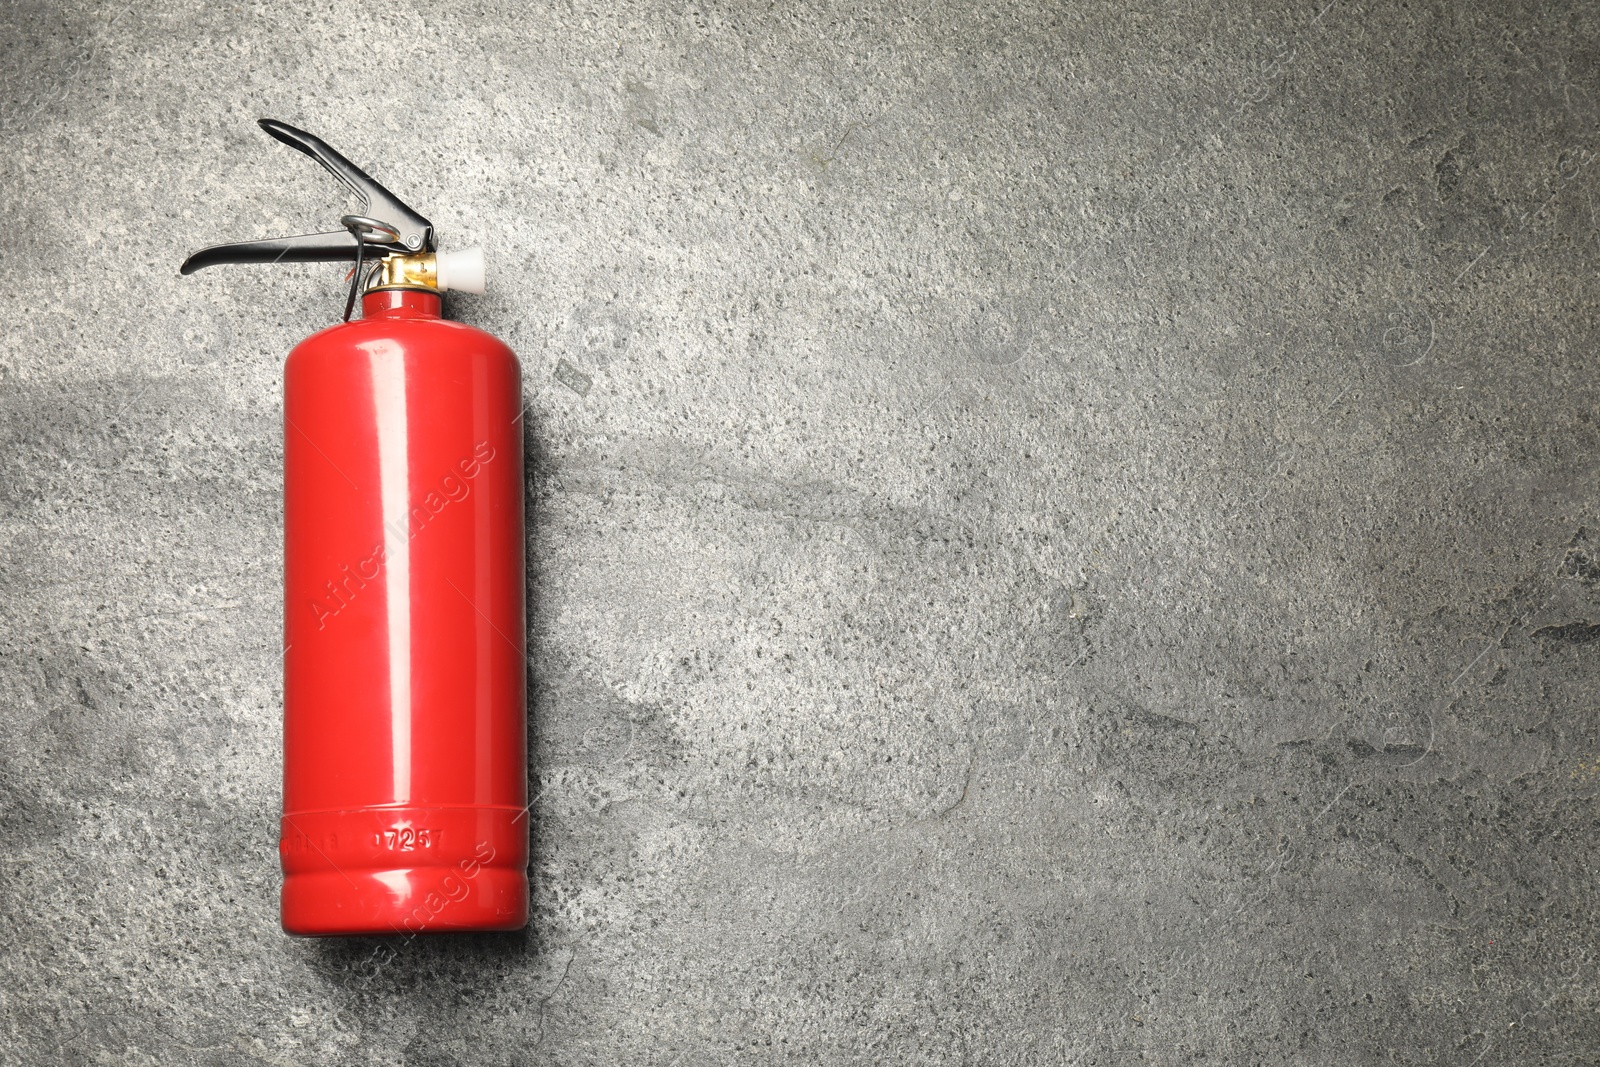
(1061, 535)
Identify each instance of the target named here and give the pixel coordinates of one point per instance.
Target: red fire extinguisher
(404, 778)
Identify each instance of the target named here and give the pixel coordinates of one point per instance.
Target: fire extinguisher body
(405, 777)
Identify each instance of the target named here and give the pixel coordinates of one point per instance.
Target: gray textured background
(1064, 536)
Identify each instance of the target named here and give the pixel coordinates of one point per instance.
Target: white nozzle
(462, 271)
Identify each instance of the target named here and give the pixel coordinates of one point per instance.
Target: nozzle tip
(463, 271)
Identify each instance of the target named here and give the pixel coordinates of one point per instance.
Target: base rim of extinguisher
(404, 902)
(404, 869)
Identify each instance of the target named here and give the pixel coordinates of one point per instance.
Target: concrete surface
(1063, 535)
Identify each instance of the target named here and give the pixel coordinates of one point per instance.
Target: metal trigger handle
(387, 223)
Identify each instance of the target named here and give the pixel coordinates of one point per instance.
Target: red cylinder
(405, 777)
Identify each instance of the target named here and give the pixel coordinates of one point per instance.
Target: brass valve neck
(417, 270)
